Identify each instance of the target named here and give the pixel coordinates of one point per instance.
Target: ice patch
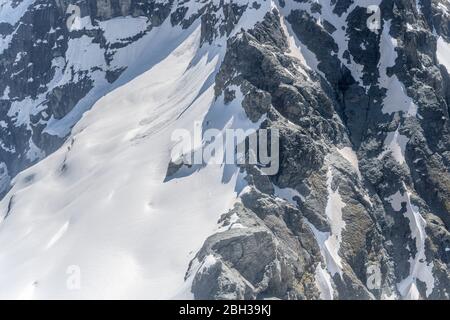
(323, 283)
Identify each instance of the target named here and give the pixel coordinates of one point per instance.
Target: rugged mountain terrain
(359, 91)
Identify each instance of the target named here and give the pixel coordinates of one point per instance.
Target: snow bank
(419, 268)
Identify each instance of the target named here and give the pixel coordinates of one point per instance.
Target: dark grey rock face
(318, 114)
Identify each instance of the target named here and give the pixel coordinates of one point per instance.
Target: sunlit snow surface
(99, 202)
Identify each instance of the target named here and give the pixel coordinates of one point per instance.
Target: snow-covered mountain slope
(359, 208)
(104, 187)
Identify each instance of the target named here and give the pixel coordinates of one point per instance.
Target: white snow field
(99, 205)
(443, 53)
(98, 220)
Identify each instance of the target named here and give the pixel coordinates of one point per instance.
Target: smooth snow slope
(443, 53)
(100, 204)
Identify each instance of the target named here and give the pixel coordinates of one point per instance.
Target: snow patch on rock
(288, 194)
(330, 242)
(323, 283)
(420, 269)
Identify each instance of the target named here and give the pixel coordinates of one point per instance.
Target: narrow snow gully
(105, 209)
